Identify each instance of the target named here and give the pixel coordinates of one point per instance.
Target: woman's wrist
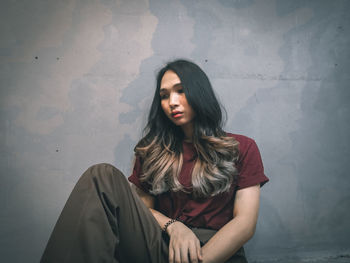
(168, 224)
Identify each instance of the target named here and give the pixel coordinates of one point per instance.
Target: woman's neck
(188, 131)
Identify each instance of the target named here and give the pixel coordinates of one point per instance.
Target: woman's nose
(174, 99)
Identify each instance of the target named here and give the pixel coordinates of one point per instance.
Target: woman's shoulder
(242, 139)
(250, 166)
(246, 144)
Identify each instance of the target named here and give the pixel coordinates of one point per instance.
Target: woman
(197, 187)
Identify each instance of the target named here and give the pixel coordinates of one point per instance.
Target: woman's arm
(184, 246)
(238, 231)
(148, 200)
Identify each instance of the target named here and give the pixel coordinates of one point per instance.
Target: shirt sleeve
(136, 174)
(250, 166)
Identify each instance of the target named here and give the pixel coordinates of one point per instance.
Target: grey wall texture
(77, 79)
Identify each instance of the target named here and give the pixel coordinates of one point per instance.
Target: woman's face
(174, 102)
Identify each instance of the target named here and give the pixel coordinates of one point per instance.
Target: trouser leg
(105, 221)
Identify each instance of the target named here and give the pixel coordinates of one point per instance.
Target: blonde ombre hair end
(212, 174)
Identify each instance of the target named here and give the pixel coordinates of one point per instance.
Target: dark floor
(337, 259)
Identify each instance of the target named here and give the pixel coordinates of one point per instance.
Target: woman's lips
(176, 114)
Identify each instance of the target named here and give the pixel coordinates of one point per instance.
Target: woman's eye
(180, 91)
(163, 96)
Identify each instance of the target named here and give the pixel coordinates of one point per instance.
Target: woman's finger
(184, 253)
(177, 255)
(193, 253)
(199, 251)
(171, 255)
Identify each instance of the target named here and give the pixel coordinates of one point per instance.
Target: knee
(102, 178)
(103, 170)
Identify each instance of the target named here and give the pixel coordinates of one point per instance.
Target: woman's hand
(184, 245)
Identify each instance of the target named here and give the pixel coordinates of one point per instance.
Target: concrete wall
(76, 84)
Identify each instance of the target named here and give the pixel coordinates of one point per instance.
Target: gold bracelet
(168, 224)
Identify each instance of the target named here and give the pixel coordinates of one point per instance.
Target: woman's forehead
(169, 80)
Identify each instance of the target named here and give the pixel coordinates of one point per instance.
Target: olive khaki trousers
(104, 221)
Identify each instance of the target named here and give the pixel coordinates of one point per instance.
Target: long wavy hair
(160, 150)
